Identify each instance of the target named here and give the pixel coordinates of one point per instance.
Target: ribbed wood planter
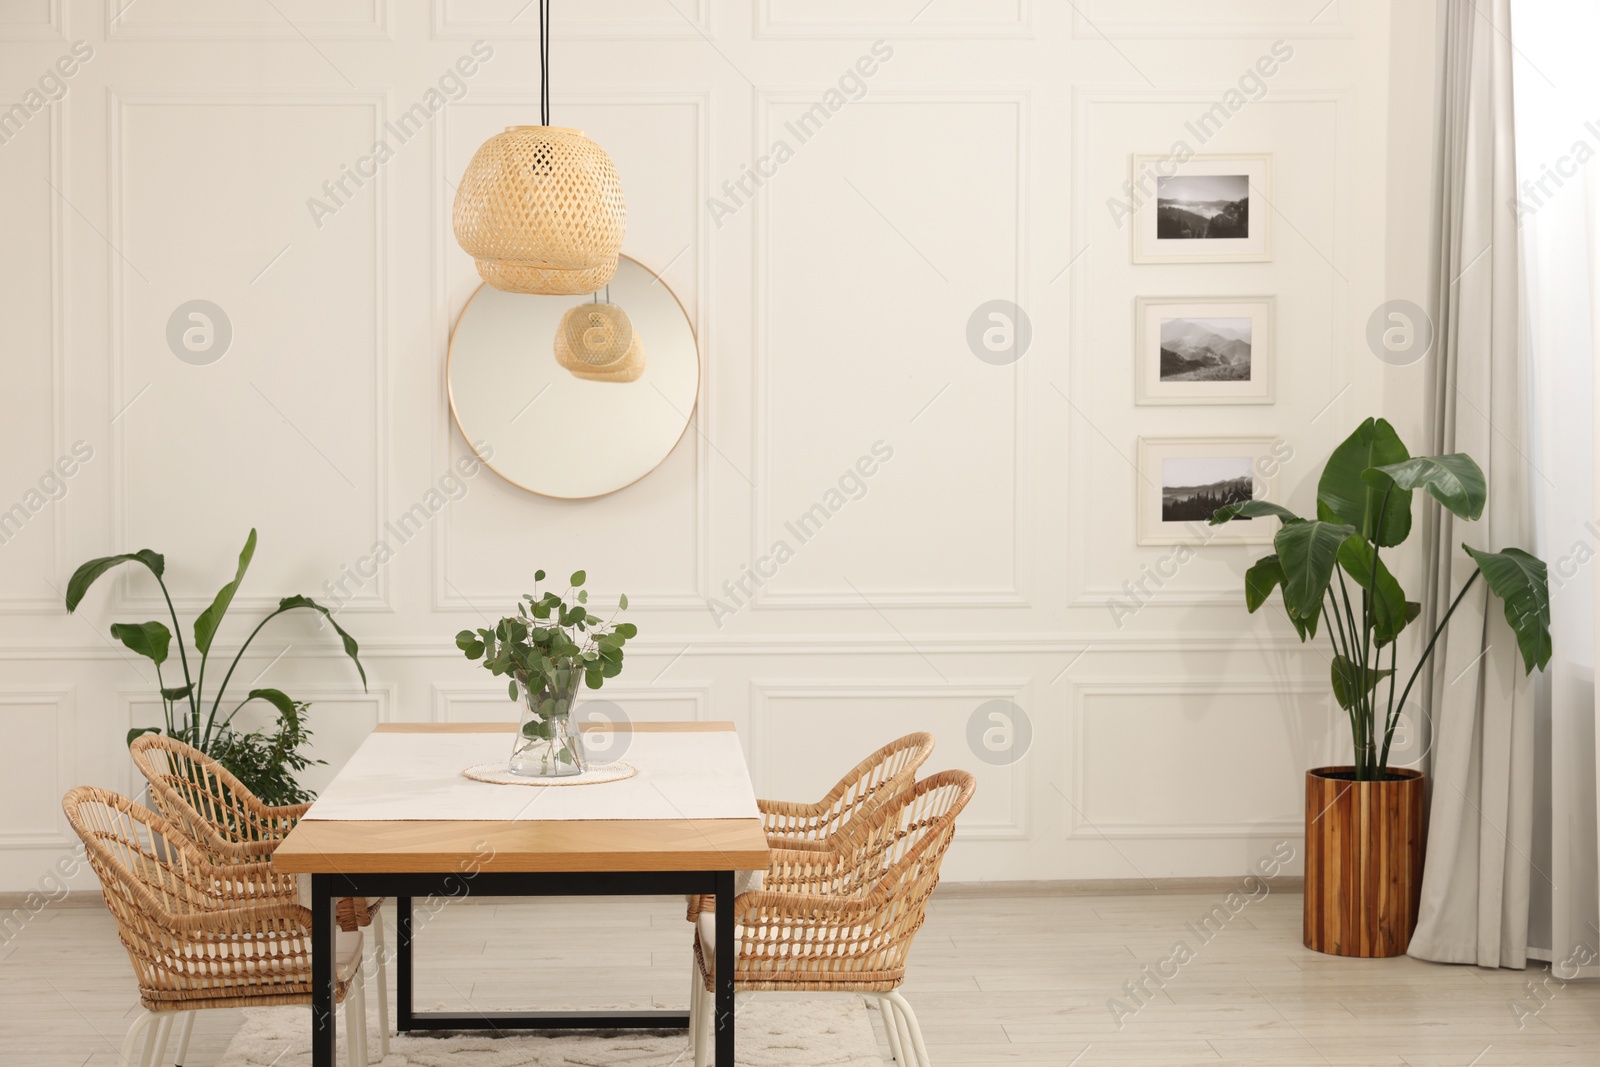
(1363, 861)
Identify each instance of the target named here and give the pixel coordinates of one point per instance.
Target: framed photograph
(1202, 350)
(1183, 480)
(1208, 209)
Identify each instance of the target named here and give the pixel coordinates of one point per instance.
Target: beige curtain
(1475, 888)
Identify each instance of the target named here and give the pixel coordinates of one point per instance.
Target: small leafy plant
(550, 642)
(548, 648)
(264, 761)
(1364, 506)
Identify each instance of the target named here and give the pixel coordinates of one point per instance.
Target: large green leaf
(278, 699)
(1522, 582)
(209, 621)
(1308, 553)
(1265, 575)
(1343, 496)
(149, 639)
(1455, 481)
(1388, 599)
(1250, 509)
(90, 572)
(351, 649)
(1351, 681)
(139, 731)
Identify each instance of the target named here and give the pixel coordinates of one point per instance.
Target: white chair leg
(891, 1026)
(383, 986)
(355, 1017)
(702, 1030)
(909, 1017)
(163, 1031)
(140, 1027)
(183, 1038)
(694, 1001)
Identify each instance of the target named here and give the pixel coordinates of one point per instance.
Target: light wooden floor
(997, 976)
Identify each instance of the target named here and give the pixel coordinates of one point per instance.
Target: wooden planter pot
(1364, 844)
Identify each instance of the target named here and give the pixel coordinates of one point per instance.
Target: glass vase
(547, 744)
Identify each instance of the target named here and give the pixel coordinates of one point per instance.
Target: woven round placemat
(496, 774)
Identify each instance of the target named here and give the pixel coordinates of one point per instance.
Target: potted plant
(550, 648)
(1364, 822)
(265, 761)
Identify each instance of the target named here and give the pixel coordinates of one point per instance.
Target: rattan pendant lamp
(540, 208)
(597, 342)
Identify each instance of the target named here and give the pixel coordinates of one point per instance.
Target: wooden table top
(404, 847)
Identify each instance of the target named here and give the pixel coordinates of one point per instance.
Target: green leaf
(149, 639)
(1344, 496)
(278, 699)
(1253, 509)
(512, 689)
(1307, 627)
(538, 576)
(139, 731)
(90, 572)
(1454, 481)
(1308, 552)
(1351, 681)
(1388, 599)
(578, 578)
(1260, 580)
(626, 629)
(622, 602)
(350, 647)
(1522, 581)
(177, 693)
(209, 621)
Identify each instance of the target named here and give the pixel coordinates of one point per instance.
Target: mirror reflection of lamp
(597, 342)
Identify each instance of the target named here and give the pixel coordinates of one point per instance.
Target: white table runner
(417, 776)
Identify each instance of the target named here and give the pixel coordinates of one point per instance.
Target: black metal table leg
(723, 1017)
(402, 971)
(324, 953)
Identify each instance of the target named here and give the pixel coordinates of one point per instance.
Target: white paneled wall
(292, 162)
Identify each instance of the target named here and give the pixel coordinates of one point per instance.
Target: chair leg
(183, 1038)
(702, 1030)
(694, 1000)
(140, 1027)
(163, 1031)
(355, 1018)
(891, 1026)
(909, 1017)
(381, 953)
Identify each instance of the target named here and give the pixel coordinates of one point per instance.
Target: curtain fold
(1475, 888)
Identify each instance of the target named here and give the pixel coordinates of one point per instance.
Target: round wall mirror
(575, 397)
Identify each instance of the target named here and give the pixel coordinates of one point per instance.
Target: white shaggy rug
(772, 1032)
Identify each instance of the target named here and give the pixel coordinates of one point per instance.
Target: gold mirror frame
(699, 374)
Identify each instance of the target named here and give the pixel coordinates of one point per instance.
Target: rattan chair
(810, 827)
(201, 935)
(842, 921)
(231, 825)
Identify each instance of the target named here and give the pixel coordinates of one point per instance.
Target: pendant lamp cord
(544, 62)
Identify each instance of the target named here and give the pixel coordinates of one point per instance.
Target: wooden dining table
(528, 842)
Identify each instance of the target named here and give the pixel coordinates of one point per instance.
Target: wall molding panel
(58, 763)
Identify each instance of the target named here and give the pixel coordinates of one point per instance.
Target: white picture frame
(1215, 466)
(1190, 350)
(1196, 193)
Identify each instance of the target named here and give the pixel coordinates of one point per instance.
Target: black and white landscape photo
(1203, 207)
(1192, 489)
(1206, 350)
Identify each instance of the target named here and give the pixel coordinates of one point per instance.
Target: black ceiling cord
(544, 62)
